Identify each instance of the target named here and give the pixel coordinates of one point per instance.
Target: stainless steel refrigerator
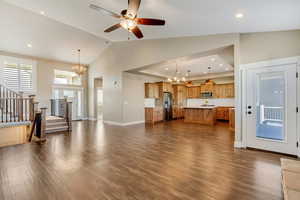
(167, 101)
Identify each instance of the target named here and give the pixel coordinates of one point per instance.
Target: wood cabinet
(207, 87)
(153, 115)
(179, 100)
(151, 90)
(222, 113)
(232, 119)
(224, 90)
(193, 92)
(166, 87)
(206, 116)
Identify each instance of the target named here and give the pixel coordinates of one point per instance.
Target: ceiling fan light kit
(128, 18)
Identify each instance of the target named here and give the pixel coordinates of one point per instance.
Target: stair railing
(62, 108)
(14, 107)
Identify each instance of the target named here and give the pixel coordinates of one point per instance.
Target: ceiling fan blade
(137, 32)
(148, 21)
(112, 28)
(104, 11)
(133, 7)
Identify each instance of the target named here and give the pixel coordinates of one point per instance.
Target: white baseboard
(123, 124)
(133, 123)
(113, 123)
(238, 144)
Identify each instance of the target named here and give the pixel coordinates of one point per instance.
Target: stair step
(55, 120)
(56, 124)
(56, 129)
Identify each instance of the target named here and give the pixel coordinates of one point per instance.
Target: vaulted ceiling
(184, 18)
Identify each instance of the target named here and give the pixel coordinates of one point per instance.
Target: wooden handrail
(14, 107)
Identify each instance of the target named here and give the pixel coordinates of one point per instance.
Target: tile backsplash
(217, 102)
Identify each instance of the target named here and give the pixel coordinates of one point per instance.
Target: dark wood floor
(168, 161)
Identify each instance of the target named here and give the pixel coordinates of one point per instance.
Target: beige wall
(133, 96)
(123, 56)
(270, 45)
(45, 78)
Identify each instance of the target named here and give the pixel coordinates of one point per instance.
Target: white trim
(298, 105)
(243, 70)
(274, 62)
(123, 124)
(113, 123)
(238, 144)
(133, 123)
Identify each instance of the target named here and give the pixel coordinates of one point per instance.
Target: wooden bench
(290, 170)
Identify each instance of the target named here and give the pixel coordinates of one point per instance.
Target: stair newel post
(68, 113)
(43, 123)
(31, 107)
(21, 107)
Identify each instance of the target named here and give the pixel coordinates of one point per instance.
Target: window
(66, 78)
(17, 74)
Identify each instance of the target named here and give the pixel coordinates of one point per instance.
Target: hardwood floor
(170, 160)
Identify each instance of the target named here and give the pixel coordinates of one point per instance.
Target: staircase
(56, 124)
(17, 110)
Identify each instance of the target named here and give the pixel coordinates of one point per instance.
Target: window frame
(20, 61)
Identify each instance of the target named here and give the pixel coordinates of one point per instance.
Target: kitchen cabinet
(222, 113)
(232, 119)
(179, 100)
(166, 87)
(151, 90)
(193, 92)
(205, 116)
(207, 86)
(224, 90)
(153, 115)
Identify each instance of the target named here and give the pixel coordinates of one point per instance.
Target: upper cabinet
(151, 90)
(207, 87)
(193, 92)
(224, 91)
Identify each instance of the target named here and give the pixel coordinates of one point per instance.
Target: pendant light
(79, 69)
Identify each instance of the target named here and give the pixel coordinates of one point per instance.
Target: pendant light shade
(79, 69)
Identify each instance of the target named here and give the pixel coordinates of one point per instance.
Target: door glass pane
(270, 106)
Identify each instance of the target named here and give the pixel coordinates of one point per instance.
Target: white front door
(271, 96)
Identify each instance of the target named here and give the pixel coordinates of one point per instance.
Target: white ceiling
(197, 66)
(50, 39)
(184, 18)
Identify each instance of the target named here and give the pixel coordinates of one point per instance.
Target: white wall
(269, 45)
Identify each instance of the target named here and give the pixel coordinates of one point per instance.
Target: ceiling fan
(128, 18)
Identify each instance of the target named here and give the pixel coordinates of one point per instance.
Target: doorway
(271, 108)
(75, 96)
(98, 83)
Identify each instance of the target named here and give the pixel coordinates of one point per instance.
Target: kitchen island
(205, 115)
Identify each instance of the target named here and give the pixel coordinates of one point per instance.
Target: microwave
(206, 94)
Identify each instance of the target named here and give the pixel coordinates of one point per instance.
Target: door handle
(249, 112)
(249, 107)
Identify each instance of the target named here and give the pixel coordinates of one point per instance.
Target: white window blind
(18, 75)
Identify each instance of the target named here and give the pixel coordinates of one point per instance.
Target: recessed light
(42, 12)
(227, 69)
(221, 65)
(213, 59)
(167, 69)
(204, 72)
(29, 45)
(239, 15)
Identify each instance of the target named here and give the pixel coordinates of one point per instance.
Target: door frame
(268, 63)
(77, 88)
